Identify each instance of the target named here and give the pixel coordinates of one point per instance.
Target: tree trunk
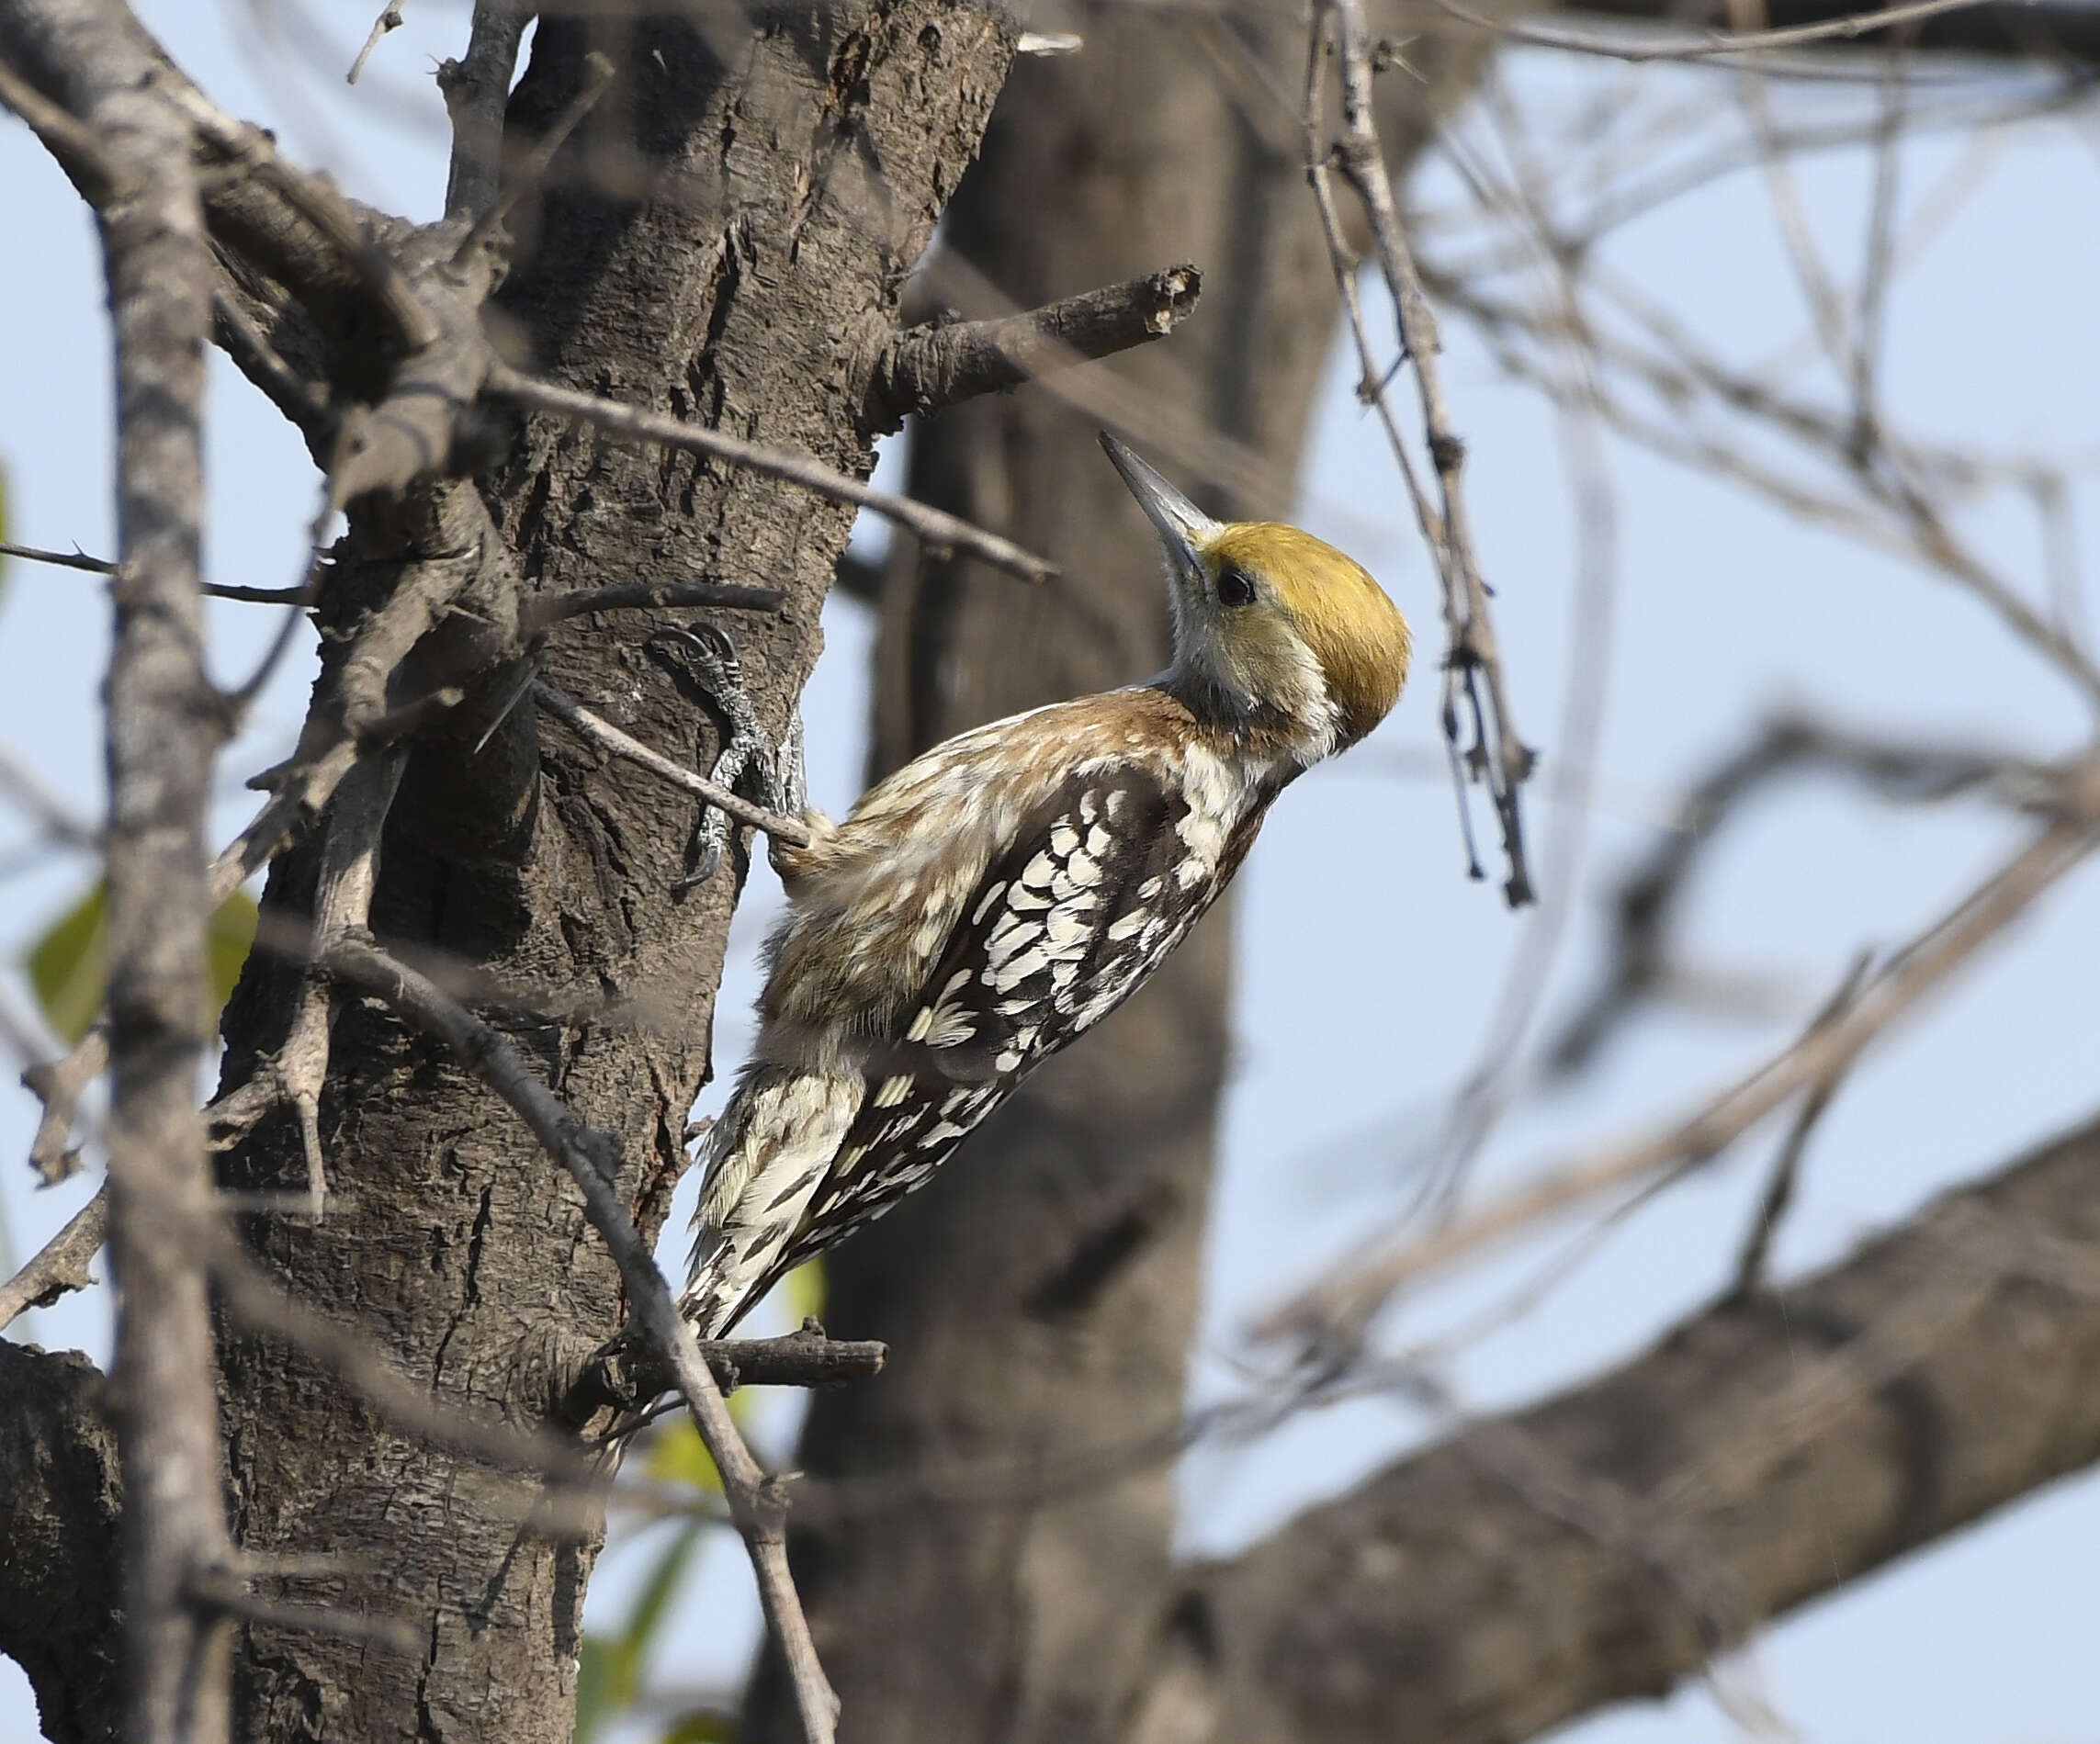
(751, 285)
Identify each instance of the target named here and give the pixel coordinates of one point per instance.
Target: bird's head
(1270, 623)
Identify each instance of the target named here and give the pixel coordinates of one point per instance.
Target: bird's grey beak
(1182, 527)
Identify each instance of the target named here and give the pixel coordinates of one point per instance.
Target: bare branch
(545, 610)
(61, 1265)
(384, 25)
(930, 524)
(597, 77)
(291, 393)
(928, 367)
(1474, 680)
(1849, 28)
(102, 566)
(1790, 1466)
(162, 736)
(475, 87)
(317, 201)
(343, 903)
(756, 1501)
(627, 1373)
(1643, 954)
(1786, 1168)
(1337, 1310)
(603, 733)
(58, 1085)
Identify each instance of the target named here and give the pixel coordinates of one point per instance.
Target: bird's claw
(748, 762)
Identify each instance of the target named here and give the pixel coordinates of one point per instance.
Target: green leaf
(69, 965)
(66, 967)
(805, 1291)
(704, 1728)
(677, 1454)
(594, 1705)
(227, 939)
(609, 1669)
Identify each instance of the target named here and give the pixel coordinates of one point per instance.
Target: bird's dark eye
(1236, 586)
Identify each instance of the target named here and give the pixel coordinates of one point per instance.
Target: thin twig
(61, 1265)
(225, 1592)
(1786, 1168)
(387, 22)
(1338, 1309)
(607, 737)
(545, 610)
(1712, 42)
(1473, 679)
(757, 1503)
(931, 524)
(102, 566)
(597, 77)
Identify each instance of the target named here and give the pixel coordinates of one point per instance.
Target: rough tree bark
(770, 189)
(755, 289)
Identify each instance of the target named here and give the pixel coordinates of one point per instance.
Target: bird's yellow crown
(1271, 625)
(1324, 599)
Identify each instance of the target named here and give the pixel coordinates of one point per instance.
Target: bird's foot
(748, 762)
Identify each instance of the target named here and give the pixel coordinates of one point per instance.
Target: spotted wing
(1099, 886)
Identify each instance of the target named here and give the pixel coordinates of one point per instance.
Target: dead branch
(163, 736)
(61, 1265)
(2024, 29)
(933, 526)
(59, 1085)
(384, 25)
(250, 153)
(1473, 679)
(1336, 1313)
(928, 367)
(102, 566)
(626, 1374)
(1714, 42)
(1786, 1167)
(235, 331)
(475, 87)
(607, 737)
(1644, 955)
(756, 1501)
(545, 610)
(295, 1074)
(1164, 424)
(533, 166)
(1810, 1440)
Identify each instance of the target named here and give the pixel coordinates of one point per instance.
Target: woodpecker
(997, 897)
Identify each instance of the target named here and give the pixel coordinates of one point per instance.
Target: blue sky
(1368, 966)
